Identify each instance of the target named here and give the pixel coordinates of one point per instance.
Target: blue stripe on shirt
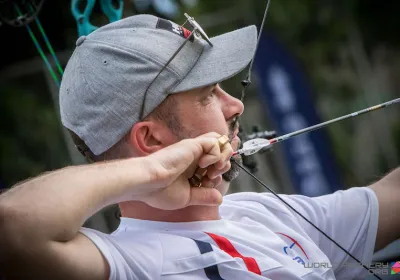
(211, 271)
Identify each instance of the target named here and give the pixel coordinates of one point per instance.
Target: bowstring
(258, 41)
(247, 81)
(39, 48)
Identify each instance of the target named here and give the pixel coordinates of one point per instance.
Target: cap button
(80, 40)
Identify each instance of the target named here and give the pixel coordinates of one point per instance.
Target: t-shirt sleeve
(349, 217)
(122, 262)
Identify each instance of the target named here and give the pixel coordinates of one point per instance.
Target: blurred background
(317, 60)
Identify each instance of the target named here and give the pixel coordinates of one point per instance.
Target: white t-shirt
(257, 237)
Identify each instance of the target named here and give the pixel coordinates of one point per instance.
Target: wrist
(142, 177)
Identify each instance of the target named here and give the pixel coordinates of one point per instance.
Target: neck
(142, 211)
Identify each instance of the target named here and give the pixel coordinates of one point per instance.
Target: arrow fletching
(252, 146)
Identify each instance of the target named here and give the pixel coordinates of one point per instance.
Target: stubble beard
(232, 173)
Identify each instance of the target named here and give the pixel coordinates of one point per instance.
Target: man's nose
(232, 106)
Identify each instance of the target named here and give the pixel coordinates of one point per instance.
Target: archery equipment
(249, 161)
(255, 145)
(83, 17)
(21, 13)
(10, 16)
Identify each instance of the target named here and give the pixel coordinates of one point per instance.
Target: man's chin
(232, 173)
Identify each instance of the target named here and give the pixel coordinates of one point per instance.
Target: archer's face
(208, 109)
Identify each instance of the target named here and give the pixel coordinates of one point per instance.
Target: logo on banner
(395, 268)
(302, 149)
(287, 93)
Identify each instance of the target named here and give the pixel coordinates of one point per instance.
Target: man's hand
(60, 201)
(170, 169)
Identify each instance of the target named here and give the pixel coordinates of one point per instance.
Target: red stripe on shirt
(225, 245)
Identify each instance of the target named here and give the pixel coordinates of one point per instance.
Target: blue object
(83, 17)
(112, 13)
(168, 8)
(287, 94)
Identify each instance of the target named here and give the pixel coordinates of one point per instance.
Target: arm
(387, 191)
(40, 218)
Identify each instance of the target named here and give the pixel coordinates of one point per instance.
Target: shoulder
(141, 239)
(128, 254)
(251, 201)
(269, 203)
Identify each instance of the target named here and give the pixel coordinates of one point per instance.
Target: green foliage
(31, 141)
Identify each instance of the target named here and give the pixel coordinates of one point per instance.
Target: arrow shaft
(321, 125)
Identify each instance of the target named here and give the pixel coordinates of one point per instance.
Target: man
(130, 113)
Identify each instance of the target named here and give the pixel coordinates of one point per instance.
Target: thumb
(205, 196)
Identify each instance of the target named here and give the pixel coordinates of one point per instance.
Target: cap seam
(92, 91)
(187, 73)
(131, 51)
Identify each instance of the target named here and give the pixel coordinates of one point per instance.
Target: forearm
(54, 206)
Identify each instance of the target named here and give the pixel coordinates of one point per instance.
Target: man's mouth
(236, 132)
(235, 140)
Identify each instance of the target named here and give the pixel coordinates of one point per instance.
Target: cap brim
(230, 54)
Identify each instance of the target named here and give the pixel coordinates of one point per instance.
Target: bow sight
(29, 9)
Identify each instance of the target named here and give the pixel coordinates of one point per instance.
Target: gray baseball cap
(112, 69)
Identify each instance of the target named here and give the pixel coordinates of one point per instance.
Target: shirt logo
(290, 250)
(174, 28)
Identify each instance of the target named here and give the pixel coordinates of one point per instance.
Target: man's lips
(235, 140)
(235, 133)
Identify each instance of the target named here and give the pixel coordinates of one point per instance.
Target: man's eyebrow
(209, 88)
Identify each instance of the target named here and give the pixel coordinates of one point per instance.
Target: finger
(208, 160)
(202, 147)
(211, 150)
(226, 168)
(213, 172)
(210, 135)
(217, 181)
(209, 145)
(207, 182)
(211, 183)
(226, 154)
(205, 196)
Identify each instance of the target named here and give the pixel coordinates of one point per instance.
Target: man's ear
(148, 137)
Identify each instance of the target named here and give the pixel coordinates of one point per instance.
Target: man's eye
(208, 99)
(213, 92)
